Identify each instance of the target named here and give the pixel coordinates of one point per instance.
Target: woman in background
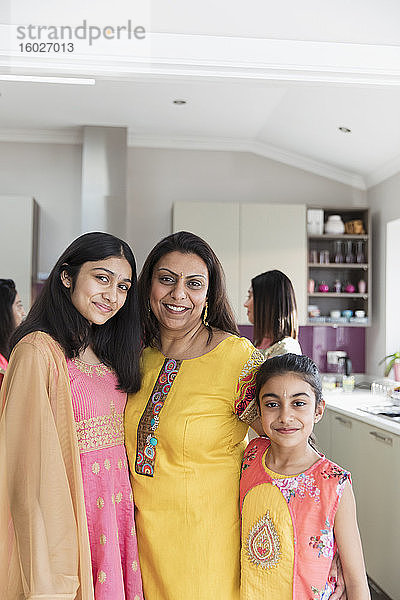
(67, 525)
(12, 314)
(272, 309)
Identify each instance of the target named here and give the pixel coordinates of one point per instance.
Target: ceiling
(277, 81)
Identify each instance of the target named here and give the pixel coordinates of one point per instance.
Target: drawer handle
(382, 438)
(345, 422)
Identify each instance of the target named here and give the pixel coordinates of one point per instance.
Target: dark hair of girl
(299, 365)
(219, 312)
(274, 307)
(117, 342)
(7, 321)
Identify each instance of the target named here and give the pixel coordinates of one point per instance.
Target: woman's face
(18, 311)
(101, 288)
(179, 290)
(249, 305)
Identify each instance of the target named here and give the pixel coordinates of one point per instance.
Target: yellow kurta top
(186, 492)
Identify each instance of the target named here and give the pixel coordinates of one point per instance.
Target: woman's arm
(37, 522)
(349, 545)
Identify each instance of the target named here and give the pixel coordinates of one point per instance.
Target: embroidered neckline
(88, 369)
(275, 475)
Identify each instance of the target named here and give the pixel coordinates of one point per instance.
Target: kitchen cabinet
(372, 454)
(18, 243)
(250, 239)
(337, 261)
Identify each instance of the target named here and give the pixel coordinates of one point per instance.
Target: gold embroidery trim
(100, 369)
(101, 432)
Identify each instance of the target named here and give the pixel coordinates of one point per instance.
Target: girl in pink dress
(62, 456)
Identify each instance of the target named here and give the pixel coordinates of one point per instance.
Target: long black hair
(117, 342)
(275, 308)
(8, 293)
(219, 312)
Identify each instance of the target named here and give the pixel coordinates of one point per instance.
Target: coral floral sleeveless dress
(287, 527)
(98, 409)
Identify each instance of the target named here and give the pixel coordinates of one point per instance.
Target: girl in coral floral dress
(297, 506)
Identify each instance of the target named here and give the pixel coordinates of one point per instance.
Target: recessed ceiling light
(179, 102)
(344, 129)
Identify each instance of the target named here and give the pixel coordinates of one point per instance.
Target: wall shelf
(329, 247)
(341, 266)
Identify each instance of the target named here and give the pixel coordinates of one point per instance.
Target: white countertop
(348, 403)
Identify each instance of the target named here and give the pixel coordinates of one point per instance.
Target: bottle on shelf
(362, 286)
(337, 286)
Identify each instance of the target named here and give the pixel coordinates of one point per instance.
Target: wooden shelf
(342, 266)
(335, 295)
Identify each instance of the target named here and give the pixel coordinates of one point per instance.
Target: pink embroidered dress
(98, 409)
(287, 527)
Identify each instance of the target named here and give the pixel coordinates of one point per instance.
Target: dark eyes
(191, 283)
(297, 403)
(105, 279)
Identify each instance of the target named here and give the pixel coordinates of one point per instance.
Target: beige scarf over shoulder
(44, 544)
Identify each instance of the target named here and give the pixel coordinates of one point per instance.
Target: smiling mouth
(286, 430)
(103, 307)
(176, 309)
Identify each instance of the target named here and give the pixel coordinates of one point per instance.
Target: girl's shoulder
(330, 471)
(285, 346)
(255, 447)
(41, 343)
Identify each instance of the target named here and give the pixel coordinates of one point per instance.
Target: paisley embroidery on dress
(298, 486)
(263, 543)
(149, 421)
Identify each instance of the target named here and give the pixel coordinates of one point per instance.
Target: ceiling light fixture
(45, 79)
(344, 129)
(179, 102)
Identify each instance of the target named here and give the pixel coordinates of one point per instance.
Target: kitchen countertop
(348, 403)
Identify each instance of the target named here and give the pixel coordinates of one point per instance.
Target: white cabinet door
(218, 224)
(378, 502)
(18, 243)
(273, 236)
(373, 457)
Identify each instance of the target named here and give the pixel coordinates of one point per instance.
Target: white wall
(158, 178)
(51, 173)
(385, 206)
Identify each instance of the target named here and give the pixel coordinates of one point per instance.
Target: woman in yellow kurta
(185, 429)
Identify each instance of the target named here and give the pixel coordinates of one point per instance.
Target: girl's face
(179, 290)
(101, 288)
(288, 410)
(18, 311)
(249, 305)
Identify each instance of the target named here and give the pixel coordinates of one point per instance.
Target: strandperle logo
(84, 32)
